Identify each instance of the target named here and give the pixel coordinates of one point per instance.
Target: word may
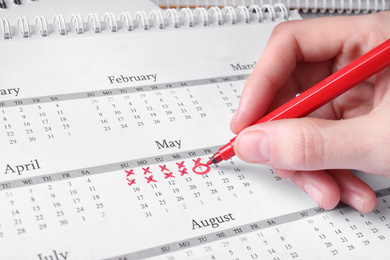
(168, 144)
(124, 79)
(10, 91)
(213, 222)
(243, 66)
(33, 165)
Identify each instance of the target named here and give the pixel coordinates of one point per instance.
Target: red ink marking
(209, 162)
(130, 172)
(184, 171)
(130, 182)
(164, 168)
(197, 161)
(181, 165)
(169, 175)
(200, 168)
(150, 179)
(146, 170)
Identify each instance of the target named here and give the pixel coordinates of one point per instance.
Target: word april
(33, 165)
(168, 144)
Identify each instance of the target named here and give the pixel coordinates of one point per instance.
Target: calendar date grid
(317, 223)
(54, 118)
(120, 91)
(89, 171)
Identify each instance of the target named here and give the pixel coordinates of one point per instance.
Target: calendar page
(104, 142)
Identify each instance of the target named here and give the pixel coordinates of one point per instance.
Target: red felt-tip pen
(333, 86)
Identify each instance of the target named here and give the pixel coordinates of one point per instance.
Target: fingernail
(315, 193)
(254, 147)
(354, 199)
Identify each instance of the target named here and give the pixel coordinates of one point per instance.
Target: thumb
(313, 144)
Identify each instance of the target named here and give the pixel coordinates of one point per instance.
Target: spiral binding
(170, 18)
(348, 6)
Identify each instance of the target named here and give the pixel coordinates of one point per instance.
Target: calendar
(105, 140)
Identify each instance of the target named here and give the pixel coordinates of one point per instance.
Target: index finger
(293, 42)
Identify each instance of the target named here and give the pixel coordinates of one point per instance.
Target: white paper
(104, 140)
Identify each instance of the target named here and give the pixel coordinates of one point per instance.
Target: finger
(316, 144)
(354, 192)
(289, 44)
(316, 40)
(320, 186)
(296, 84)
(356, 102)
(282, 173)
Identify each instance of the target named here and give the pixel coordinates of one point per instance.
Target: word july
(54, 256)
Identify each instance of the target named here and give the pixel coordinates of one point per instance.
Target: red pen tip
(216, 158)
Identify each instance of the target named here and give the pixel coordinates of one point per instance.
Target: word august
(213, 222)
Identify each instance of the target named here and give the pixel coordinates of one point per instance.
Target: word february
(126, 79)
(9, 91)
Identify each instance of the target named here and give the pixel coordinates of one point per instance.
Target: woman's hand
(350, 132)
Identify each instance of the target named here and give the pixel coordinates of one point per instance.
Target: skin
(316, 152)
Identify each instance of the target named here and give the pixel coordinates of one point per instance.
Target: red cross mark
(180, 165)
(184, 171)
(130, 172)
(200, 168)
(130, 182)
(150, 179)
(146, 170)
(197, 162)
(169, 175)
(164, 168)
